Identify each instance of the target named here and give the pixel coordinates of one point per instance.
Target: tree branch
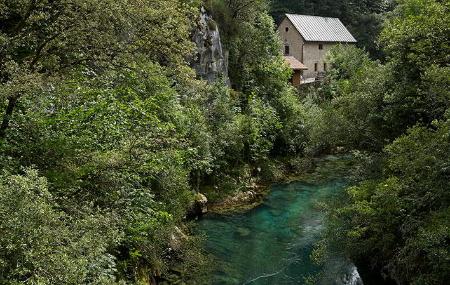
(27, 15)
(12, 101)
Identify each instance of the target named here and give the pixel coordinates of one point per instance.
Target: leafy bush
(401, 220)
(43, 245)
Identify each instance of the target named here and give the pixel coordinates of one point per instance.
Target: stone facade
(311, 54)
(315, 58)
(291, 37)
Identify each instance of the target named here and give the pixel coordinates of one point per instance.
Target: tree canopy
(395, 117)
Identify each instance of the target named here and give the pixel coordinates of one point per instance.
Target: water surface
(272, 243)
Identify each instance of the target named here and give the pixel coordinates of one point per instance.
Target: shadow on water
(272, 243)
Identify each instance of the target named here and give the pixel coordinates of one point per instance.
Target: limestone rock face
(211, 62)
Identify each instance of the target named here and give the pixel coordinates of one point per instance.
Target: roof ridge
(313, 16)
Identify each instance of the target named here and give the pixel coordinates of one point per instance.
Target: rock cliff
(211, 61)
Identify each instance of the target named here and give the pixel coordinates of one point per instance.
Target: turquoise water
(271, 244)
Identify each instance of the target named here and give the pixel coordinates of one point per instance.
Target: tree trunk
(197, 186)
(12, 101)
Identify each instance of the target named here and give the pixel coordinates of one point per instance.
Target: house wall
(312, 55)
(292, 38)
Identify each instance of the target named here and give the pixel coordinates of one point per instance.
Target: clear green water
(272, 243)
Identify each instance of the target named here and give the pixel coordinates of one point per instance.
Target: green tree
(43, 40)
(401, 221)
(348, 109)
(42, 245)
(416, 40)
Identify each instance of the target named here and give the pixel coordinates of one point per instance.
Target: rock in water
(202, 203)
(198, 208)
(211, 61)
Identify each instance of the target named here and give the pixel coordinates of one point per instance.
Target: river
(272, 243)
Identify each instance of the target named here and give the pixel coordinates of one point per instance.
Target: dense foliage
(106, 135)
(402, 219)
(396, 116)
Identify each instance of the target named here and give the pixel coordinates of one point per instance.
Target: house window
(320, 46)
(315, 66)
(286, 50)
(287, 29)
(325, 66)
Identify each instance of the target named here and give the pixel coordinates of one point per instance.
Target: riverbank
(311, 169)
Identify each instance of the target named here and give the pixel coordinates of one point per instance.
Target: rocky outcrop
(177, 238)
(211, 61)
(239, 201)
(244, 197)
(202, 203)
(199, 206)
(351, 277)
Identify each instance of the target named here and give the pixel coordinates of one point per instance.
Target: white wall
(312, 55)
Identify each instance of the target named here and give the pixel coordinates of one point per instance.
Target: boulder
(199, 207)
(202, 203)
(244, 197)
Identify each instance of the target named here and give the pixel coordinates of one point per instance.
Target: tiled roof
(294, 63)
(321, 29)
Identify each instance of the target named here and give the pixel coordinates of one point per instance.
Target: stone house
(308, 39)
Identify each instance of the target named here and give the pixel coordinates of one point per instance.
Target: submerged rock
(243, 232)
(211, 62)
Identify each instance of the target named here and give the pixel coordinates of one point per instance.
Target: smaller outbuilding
(297, 68)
